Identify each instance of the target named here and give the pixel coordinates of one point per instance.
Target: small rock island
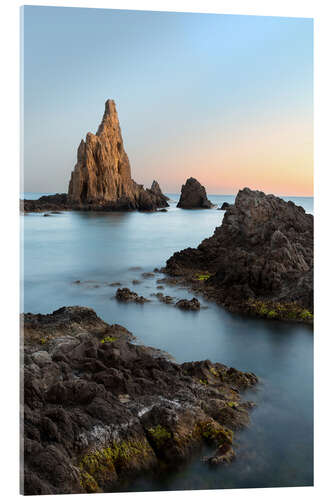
(193, 195)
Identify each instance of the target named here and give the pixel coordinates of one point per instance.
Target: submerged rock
(193, 195)
(166, 299)
(259, 261)
(98, 408)
(148, 275)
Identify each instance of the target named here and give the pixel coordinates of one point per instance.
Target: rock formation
(101, 179)
(47, 203)
(156, 190)
(193, 195)
(259, 260)
(188, 305)
(99, 408)
(126, 295)
(102, 175)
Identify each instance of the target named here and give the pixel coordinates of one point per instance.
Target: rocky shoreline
(258, 262)
(98, 408)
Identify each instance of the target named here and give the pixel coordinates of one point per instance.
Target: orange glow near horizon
(276, 159)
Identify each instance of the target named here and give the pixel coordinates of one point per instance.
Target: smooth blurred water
(101, 248)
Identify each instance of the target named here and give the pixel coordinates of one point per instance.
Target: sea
(103, 248)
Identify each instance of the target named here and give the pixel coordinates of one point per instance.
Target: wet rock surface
(126, 295)
(166, 299)
(193, 195)
(259, 261)
(188, 305)
(98, 408)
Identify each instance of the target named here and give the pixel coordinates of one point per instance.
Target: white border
(9, 122)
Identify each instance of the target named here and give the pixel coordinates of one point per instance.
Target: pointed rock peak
(155, 186)
(110, 107)
(156, 190)
(110, 117)
(102, 174)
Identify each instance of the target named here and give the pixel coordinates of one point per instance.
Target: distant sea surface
(304, 201)
(101, 248)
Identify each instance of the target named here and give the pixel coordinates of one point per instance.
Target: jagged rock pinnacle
(102, 174)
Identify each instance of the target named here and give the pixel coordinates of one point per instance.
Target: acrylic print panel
(168, 251)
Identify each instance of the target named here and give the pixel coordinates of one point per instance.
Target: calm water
(98, 249)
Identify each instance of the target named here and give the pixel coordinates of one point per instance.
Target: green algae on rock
(263, 251)
(98, 412)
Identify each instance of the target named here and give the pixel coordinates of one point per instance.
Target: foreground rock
(98, 408)
(259, 261)
(193, 195)
(101, 179)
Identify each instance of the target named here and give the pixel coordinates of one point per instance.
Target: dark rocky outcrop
(101, 179)
(99, 408)
(260, 260)
(225, 205)
(188, 305)
(155, 190)
(126, 295)
(193, 195)
(47, 203)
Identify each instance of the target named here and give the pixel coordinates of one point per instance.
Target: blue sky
(226, 99)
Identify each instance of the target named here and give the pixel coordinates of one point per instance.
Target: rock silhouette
(193, 195)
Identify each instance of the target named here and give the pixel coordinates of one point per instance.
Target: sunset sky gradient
(226, 99)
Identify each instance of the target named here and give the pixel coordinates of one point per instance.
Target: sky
(226, 99)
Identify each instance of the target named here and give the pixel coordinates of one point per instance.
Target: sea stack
(102, 174)
(193, 195)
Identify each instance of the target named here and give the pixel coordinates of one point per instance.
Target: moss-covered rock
(105, 464)
(279, 310)
(159, 435)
